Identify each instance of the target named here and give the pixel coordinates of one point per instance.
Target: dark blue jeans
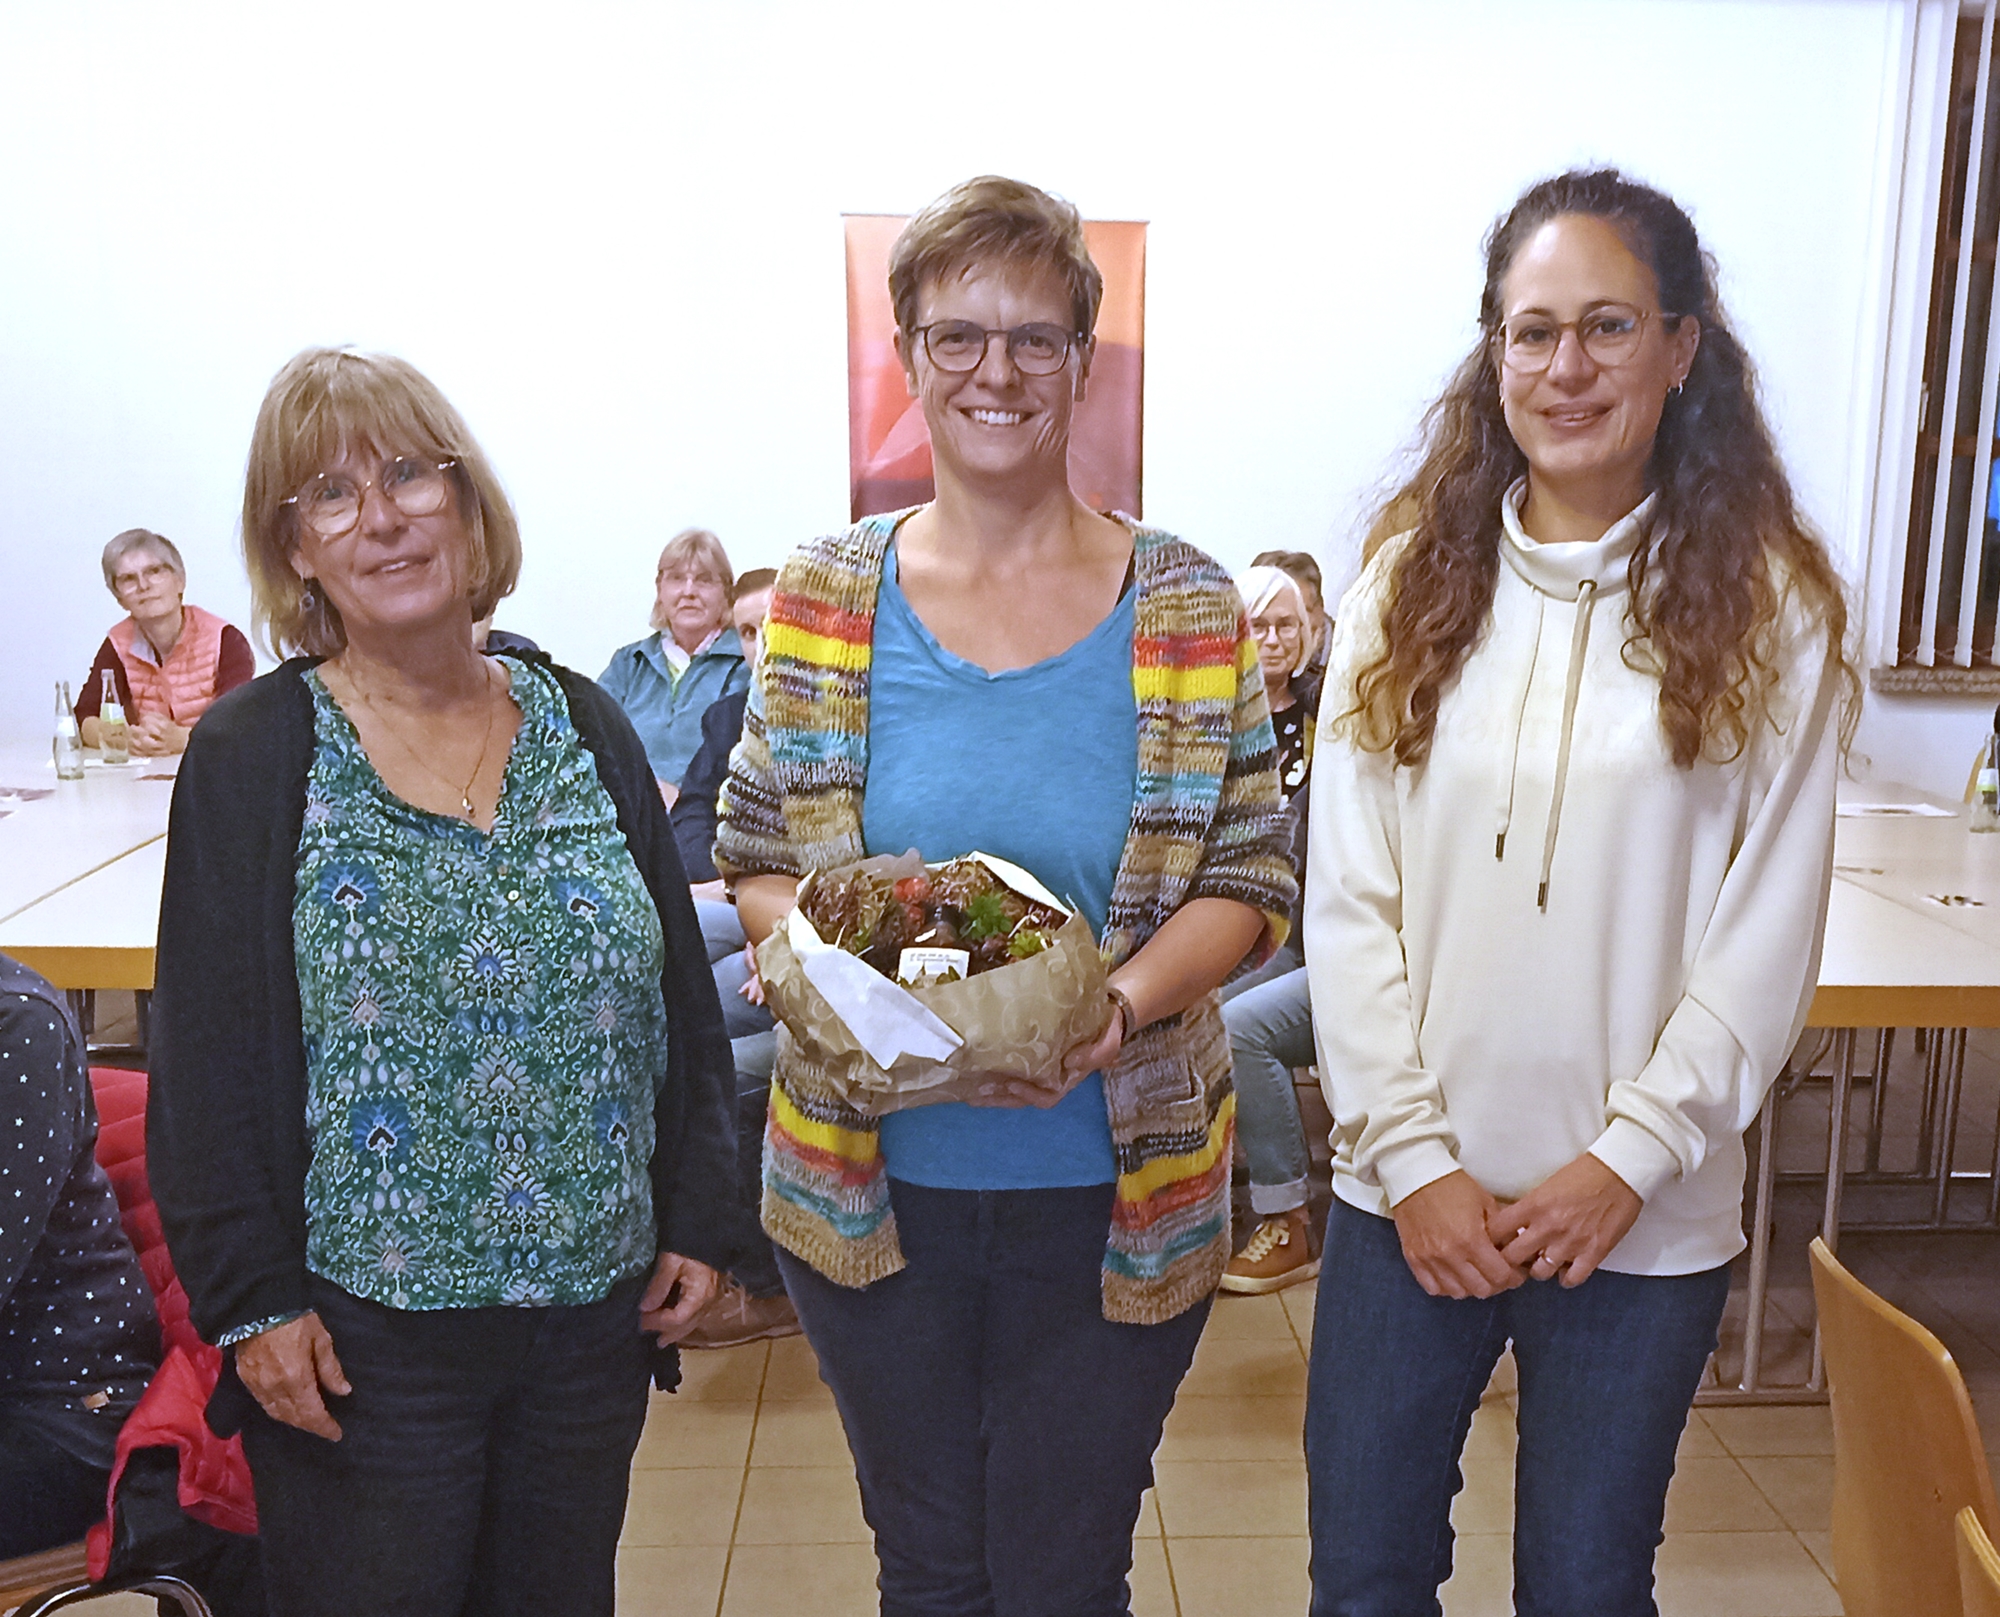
(1607, 1373)
(1003, 1430)
(482, 1467)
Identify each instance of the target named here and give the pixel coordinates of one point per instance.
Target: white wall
(612, 234)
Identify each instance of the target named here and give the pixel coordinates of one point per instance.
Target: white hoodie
(1549, 939)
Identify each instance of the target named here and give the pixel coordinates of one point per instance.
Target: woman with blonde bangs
(1572, 830)
(438, 1127)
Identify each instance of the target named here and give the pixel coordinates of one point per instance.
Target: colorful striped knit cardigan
(1206, 823)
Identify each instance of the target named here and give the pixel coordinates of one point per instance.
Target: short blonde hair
(998, 221)
(699, 548)
(140, 539)
(327, 400)
(1260, 586)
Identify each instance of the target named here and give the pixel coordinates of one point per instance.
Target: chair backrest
(1907, 1455)
(1978, 1568)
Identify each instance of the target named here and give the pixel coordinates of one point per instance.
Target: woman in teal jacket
(666, 681)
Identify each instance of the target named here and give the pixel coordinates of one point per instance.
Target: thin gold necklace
(485, 741)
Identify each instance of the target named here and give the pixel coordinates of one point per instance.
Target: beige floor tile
(1773, 1429)
(1235, 1317)
(1493, 1436)
(1800, 1488)
(1714, 1496)
(1152, 1584)
(1237, 1368)
(1505, 1380)
(1235, 1429)
(1820, 1547)
(1241, 1577)
(1741, 1575)
(1698, 1440)
(656, 1582)
(725, 1374)
(122, 1605)
(1299, 1302)
(681, 1508)
(794, 1372)
(786, 1505)
(695, 1434)
(1149, 1524)
(827, 1580)
(1486, 1503)
(800, 1432)
(1482, 1576)
(1232, 1498)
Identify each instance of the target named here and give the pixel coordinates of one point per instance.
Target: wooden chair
(1978, 1568)
(1907, 1455)
(26, 1576)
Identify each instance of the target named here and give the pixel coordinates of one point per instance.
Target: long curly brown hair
(1725, 540)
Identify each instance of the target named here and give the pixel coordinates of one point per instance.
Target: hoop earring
(309, 597)
(1675, 391)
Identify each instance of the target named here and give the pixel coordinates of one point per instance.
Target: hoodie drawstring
(1506, 816)
(1579, 642)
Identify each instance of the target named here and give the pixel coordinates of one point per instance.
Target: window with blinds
(1951, 571)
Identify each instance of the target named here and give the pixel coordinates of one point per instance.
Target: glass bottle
(68, 744)
(1986, 795)
(114, 740)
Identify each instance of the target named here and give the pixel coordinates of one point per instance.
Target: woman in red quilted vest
(168, 660)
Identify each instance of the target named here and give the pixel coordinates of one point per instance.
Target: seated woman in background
(167, 660)
(668, 680)
(1282, 623)
(78, 1336)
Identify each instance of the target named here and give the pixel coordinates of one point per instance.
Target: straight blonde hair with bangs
(327, 400)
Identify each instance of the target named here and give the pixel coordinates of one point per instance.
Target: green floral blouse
(483, 1028)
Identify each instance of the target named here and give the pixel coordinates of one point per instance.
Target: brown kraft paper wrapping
(1016, 1021)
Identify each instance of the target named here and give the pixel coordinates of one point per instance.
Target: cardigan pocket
(1156, 1087)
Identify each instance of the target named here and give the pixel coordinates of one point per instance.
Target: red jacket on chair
(214, 1476)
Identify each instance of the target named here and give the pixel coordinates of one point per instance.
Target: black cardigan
(694, 812)
(225, 1128)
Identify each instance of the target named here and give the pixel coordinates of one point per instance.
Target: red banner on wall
(889, 448)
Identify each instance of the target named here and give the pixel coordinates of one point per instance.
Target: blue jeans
(1607, 1371)
(722, 933)
(757, 1270)
(1270, 1033)
(1003, 1429)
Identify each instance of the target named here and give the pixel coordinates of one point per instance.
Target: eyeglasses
(1283, 628)
(1038, 348)
(330, 504)
(1610, 334)
(681, 578)
(126, 583)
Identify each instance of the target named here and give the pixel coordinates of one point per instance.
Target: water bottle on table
(68, 744)
(114, 736)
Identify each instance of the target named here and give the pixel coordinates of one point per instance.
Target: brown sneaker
(1278, 1254)
(735, 1317)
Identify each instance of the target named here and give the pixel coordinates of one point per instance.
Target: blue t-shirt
(1037, 765)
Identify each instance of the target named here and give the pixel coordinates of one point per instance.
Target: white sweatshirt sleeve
(1381, 1096)
(1757, 965)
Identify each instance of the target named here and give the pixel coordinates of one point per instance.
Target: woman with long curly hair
(1572, 833)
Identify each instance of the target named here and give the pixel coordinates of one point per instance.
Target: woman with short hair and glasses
(1004, 1297)
(668, 680)
(167, 660)
(439, 1123)
(1572, 832)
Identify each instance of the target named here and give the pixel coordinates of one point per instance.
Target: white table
(51, 841)
(98, 930)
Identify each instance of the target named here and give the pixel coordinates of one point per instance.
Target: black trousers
(48, 1496)
(1003, 1429)
(482, 1469)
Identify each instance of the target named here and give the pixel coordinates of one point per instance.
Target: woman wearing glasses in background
(668, 680)
(168, 661)
(1005, 1298)
(439, 1118)
(1572, 833)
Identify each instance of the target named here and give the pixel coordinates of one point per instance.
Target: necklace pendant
(466, 803)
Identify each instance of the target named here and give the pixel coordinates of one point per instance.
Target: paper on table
(886, 1019)
(1894, 811)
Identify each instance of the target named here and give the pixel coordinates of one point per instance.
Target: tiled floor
(744, 1503)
